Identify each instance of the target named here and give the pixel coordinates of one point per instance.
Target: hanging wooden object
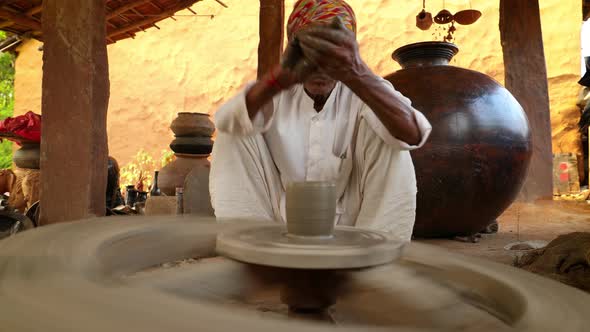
(443, 17)
(467, 17)
(424, 19)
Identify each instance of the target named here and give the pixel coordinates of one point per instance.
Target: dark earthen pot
(476, 159)
(192, 145)
(28, 156)
(192, 124)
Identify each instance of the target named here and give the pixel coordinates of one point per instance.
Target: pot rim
(425, 49)
(193, 113)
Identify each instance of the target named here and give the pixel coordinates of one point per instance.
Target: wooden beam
(74, 104)
(20, 19)
(6, 24)
(526, 78)
(7, 2)
(119, 10)
(156, 6)
(29, 13)
(34, 10)
(152, 19)
(271, 30)
(221, 3)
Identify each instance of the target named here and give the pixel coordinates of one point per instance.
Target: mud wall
(195, 63)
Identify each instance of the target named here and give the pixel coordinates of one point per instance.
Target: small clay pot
(28, 156)
(130, 195)
(192, 124)
(192, 145)
(443, 17)
(466, 17)
(142, 196)
(424, 20)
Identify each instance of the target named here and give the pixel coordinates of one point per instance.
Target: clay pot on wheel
(476, 159)
(28, 156)
(192, 124)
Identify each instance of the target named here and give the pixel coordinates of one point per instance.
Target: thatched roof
(124, 17)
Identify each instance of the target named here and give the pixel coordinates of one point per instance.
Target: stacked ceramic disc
(192, 133)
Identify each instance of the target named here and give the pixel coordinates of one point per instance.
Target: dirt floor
(541, 221)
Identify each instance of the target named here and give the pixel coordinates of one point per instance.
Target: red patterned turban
(313, 11)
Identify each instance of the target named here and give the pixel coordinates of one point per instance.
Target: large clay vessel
(476, 159)
(172, 176)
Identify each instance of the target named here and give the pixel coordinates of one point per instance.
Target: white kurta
(290, 141)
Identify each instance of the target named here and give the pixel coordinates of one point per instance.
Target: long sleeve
(232, 118)
(423, 125)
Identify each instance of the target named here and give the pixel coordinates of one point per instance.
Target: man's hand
(273, 82)
(294, 61)
(280, 78)
(334, 49)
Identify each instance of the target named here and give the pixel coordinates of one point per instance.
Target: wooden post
(526, 78)
(270, 47)
(74, 107)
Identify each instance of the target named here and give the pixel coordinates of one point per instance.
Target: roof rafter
(153, 19)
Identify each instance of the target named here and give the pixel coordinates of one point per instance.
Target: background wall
(195, 63)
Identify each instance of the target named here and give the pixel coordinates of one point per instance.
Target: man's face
(319, 84)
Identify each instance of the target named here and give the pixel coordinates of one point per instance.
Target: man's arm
(336, 52)
(262, 92)
(251, 111)
(394, 112)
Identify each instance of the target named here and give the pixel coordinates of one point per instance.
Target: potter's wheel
(345, 248)
(117, 274)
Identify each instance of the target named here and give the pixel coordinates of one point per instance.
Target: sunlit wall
(195, 63)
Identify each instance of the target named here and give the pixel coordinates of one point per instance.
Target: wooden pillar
(272, 22)
(526, 78)
(74, 107)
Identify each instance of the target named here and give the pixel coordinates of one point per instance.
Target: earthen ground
(542, 221)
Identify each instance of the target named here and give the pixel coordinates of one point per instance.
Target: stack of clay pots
(190, 169)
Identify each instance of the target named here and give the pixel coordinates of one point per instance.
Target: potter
(322, 115)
